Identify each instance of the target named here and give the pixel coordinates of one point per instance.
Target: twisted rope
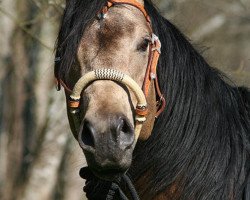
(109, 74)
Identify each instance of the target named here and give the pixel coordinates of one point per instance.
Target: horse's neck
(171, 192)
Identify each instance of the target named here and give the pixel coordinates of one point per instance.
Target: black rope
(131, 187)
(115, 188)
(97, 189)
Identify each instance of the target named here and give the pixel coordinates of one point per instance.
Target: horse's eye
(144, 45)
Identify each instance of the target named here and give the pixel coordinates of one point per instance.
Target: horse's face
(120, 41)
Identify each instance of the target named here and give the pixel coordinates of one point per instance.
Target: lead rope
(131, 187)
(97, 189)
(112, 192)
(115, 187)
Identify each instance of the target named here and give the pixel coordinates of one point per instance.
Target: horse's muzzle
(108, 149)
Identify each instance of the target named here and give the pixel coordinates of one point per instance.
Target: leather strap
(151, 74)
(132, 3)
(59, 83)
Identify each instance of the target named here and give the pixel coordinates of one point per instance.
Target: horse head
(114, 85)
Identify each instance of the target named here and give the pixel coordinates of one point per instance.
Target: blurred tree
(220, 27)
(34, 137)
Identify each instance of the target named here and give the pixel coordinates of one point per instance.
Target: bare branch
(18, 24)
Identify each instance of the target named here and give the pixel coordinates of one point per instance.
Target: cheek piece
(141, 109)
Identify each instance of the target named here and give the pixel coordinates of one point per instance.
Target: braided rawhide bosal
(111, 74)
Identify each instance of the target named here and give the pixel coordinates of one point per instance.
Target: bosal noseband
(111, 74)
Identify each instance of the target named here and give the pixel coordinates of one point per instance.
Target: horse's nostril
(125, 133)
(87, 134)
(119, 134)
(125, 127)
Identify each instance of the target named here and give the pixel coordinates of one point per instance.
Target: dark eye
(144, 45)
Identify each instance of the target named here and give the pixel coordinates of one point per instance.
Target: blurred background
(39, 158)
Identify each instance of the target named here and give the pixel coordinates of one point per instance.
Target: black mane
(202, 138)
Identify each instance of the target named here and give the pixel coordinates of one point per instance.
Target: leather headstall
(151, 72)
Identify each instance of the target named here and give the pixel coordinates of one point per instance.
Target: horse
(194, 145)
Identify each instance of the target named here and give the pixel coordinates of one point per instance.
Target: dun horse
(195, 145)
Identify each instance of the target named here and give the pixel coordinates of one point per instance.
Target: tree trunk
(35, 137)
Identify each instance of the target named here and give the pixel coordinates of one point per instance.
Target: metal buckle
(101, 16)
(156, 41)
(152, 76)
(57, 59)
